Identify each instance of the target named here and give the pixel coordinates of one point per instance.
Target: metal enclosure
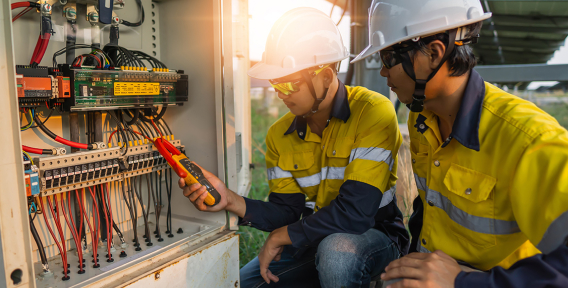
(206, 39)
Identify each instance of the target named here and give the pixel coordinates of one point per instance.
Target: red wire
(111, 134)
(32, 150)
(53, 234)
(93, 242)
(43, 47)
(36, 49)
(80, 225)
(109, 212)
(73, 229)
(96, 217)
(22, 13)
(106, 220)
(156, 127)
(71, 143)
(78, 241)
(20, 4)
(59, 229)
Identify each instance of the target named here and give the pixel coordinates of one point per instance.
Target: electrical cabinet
(116, 184)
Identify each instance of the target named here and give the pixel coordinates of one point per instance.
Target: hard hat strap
(418, 96)
(317, 100)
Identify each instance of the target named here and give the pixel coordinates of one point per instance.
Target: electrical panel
(97, 202)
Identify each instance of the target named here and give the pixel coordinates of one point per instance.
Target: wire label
(128, 88)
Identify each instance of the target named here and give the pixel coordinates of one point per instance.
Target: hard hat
(395, 21)
(302, 38)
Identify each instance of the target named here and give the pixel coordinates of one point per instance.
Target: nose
(384, 71)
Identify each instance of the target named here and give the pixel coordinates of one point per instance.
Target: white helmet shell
(395, 21)
(300, 39)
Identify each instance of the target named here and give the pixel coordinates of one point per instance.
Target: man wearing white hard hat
(490, 167)
(337, 148)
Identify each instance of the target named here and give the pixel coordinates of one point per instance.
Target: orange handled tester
(186, 169)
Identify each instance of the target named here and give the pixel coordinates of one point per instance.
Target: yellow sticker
(136, 88)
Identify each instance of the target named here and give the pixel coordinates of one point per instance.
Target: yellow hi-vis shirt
(361, 147)
(495, 191)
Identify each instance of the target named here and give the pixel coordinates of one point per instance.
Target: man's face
(399, 82)
(300, 102)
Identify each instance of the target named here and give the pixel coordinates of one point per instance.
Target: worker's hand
(197, 193)
(271, 250)
(429, 270)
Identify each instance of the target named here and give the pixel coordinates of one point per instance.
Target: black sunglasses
(391, 58)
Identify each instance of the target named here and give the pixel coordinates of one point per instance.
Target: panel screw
(157, 275)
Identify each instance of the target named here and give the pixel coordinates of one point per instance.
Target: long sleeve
(279, 211)
(542, 270)
(353, 211)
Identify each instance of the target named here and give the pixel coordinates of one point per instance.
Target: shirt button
(301, 133)
(437, 163)
(423, 241)
(295, 166)
(333, 152)
(430, 203)
(322, 147)
(413, 160)
(467, 191)
(421, 126)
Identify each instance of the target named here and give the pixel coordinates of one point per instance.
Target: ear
(437, 49)
(327, 76)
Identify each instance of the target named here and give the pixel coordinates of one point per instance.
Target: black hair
(461, 60)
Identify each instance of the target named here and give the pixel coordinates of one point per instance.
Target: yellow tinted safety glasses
(290, 87)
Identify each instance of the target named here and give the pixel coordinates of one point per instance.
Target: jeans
(341, 260)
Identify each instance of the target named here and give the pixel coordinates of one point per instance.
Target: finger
(264, 275)
(195, 195)
(406, 283)
(403, 272)
(417, 255)
(181, 183)
(443, 255)
(187, 190)
(405, 262)
(272, 276)
(277, 258)
(200, 201)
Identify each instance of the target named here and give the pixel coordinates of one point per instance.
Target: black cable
(129, 24)
(79, 46)
(39, 244)
(135, 218)
(48, 116)
(157, 207)
(144, 215)
(157, 118)
(133, 116)
(152, 132)
(167, 126)
(169, 214)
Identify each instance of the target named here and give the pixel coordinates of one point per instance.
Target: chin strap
(317, 101)
(418, 97)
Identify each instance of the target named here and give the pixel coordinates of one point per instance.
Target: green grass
(558, 111)
(251, 239)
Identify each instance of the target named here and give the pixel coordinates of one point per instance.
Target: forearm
(281, 210)
(236, 204)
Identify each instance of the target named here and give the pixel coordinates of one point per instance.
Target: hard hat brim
(370, 50)
(265, 71)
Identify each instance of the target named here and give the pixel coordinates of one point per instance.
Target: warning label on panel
(133, 88)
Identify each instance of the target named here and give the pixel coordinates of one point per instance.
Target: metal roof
(522, 32)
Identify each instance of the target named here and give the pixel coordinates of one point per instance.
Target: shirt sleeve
(352, 211)
(368, 174)
(537, 271)
(539, 191)
(279, 211)
(373, 154)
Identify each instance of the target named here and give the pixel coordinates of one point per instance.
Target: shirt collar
(339, 110)
(466, 125)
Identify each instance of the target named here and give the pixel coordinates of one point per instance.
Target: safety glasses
(289, 87)
(391, 58)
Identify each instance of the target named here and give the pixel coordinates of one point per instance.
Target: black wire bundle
(154, 62)
(39, 244)
(79, 46)
(169, 193)
(138, 193)
(124, 57)
(136, 24)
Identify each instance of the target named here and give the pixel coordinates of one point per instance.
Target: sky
(264, 13)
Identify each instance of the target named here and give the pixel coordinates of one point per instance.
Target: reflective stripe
(555, 235)
(374, 154)
(471, 222)
(388, 197)
(420, 183)
(333, 173)
(277, 173)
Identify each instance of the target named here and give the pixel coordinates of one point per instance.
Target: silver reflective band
(374, 154)
(277, 173)
(471, 222)
(388, 197)
(555, 235)
(333, 173)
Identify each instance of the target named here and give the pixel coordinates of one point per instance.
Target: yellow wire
(29, 157)
(31, 121)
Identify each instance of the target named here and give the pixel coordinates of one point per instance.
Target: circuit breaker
(88, 86)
